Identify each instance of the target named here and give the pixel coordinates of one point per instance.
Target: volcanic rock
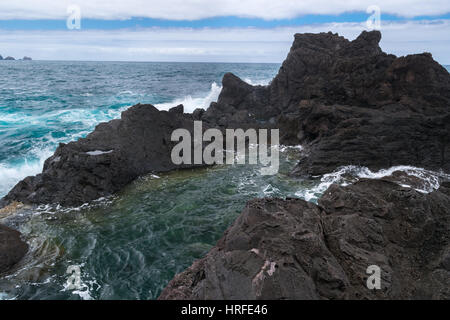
(12, 248)
(293, 249)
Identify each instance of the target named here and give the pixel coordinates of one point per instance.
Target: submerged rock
(12, 248)
(293, 249)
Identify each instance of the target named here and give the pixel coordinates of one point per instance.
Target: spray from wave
(190, 103)
(10, 174)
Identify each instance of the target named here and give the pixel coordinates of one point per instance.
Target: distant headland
(12, 58)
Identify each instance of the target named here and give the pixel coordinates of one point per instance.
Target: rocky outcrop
(109, 158)
(12, 248)
(12, 58)
(292, 249)
(347, 102)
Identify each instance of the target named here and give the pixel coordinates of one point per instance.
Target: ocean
(131, 245)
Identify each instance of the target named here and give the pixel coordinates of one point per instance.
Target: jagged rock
(113, 155)
(198, 113)
(178, 109)
(348, 103)
(12, 248)
(292, 249)
(9, 58)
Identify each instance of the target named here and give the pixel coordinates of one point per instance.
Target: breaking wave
(190, 103)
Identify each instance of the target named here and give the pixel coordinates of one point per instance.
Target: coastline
(398, 115)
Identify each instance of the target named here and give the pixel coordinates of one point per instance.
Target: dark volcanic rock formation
(12, 248)
(292, 249)
(106, 160)
(347, 102)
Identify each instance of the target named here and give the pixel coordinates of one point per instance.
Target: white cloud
(220, 45)
(198, 9)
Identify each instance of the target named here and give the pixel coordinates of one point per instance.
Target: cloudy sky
(210, 30)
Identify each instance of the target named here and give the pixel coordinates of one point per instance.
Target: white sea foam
(101, 202)
(263, 82)
(349, 174)
(33, 162)
(190, 103)
(11, 174)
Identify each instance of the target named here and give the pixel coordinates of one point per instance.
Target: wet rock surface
(292, 249)
(12, 248)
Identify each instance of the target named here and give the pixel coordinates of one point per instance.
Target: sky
(211, 30)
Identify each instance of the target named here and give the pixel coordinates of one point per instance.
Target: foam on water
(11, 174)
(349, 174)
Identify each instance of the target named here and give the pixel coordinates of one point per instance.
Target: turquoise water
(131, 245)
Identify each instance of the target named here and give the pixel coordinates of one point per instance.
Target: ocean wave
(11, 174)
(84, 119)
(428, 180)
(190, 103)
(89, 117)
(261, 82)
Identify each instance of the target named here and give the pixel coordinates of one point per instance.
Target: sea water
(128, 246)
